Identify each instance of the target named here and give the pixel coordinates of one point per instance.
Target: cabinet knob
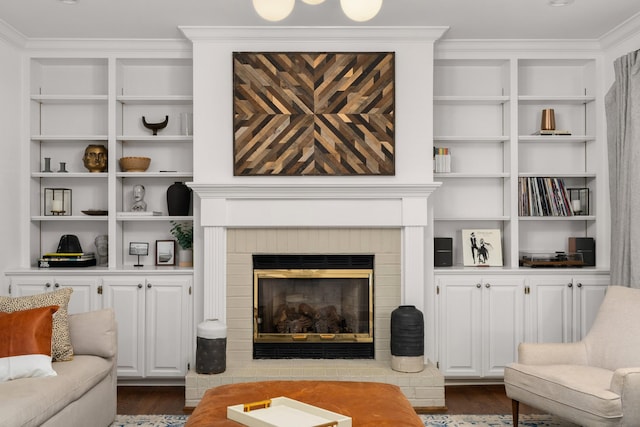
(56, 285)
(47, 285)
(487, 285)
(570, 285)
(139, 285)
(579, 284)
(478, 285)
(149, 285)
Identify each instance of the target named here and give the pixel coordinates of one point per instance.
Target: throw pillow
(25, 343)
(61, 348)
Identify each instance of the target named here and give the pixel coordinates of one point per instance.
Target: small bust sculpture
(102, 249)
(95, 158)
(139, 204)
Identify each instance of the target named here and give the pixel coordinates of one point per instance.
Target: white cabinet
(562, 307)
(153, 315)
(480, 324)
(85, 296)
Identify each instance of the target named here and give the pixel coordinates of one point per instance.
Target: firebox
(313, 307)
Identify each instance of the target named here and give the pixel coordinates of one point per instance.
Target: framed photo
(482, 248)
(165, 252)
(139, 248)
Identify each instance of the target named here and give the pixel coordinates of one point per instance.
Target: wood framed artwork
(165, 252)
(313, 113)
(482, 247)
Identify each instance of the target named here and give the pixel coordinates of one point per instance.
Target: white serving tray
(285, 412)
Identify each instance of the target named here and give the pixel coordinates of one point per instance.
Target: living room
(189, 70)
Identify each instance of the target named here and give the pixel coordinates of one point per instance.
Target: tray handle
(329, 424)
(262, 404)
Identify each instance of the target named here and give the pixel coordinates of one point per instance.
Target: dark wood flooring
(473, 399)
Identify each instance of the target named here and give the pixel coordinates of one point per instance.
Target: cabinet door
(126, 297)
(167, 326)
(85, 289)
(460, 327)
(23, 286)
(503, 325)
(589, 292)
(550, 309)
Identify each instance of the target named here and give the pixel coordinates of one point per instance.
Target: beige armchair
(593, 382)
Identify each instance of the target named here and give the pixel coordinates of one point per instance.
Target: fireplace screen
(313, 313)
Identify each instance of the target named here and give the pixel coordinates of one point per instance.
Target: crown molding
(623, 32)
(315, 34)
(486, 48)
(180, 47)
(11, 35)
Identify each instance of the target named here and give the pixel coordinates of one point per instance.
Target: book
(142, 213)
(53, 263)
(69, 255)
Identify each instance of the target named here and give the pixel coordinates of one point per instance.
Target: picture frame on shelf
(165, 252)
(482, 248)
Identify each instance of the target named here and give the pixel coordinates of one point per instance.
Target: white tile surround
(363, 220)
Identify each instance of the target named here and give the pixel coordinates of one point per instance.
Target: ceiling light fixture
(559, 3)
(360, 10)
(356, 10)
(273, 10)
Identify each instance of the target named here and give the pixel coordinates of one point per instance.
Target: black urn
(178, 199)
(407, 331)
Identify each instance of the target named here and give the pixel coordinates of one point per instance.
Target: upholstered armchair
(593, 382)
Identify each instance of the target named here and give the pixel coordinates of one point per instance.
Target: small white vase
(185, 257)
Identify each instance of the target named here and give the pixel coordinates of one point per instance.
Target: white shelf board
(69, 218)
(64, 138)
(556, 138)
(156, 138)
(588, 175)
(122, 216)
(61, 175)
(558, 218)
(470, 100)
(454, 175)
(474, 218)
(70, 99)
(470, 138)
(176, 174)
(537, 99)
(155, 100)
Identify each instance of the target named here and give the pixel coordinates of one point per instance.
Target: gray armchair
(593, 382)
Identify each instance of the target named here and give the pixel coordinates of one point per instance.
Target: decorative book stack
(441, 160)
(64, 259)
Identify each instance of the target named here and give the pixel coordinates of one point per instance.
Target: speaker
(585, 246)
(443, 251)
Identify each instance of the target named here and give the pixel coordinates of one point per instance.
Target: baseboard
(430, 409)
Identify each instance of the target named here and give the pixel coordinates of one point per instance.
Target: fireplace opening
(313, 307)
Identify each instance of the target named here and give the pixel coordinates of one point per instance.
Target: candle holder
(579, 198)
(57, 202)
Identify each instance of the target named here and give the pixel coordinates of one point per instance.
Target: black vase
(178, 199)
(407, 331)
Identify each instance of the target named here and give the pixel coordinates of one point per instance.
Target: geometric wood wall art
(313, 113)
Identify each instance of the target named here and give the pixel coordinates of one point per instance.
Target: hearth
(313, 306)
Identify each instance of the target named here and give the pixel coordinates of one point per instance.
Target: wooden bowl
(134, 164)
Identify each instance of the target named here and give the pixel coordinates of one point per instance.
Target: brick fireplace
(387, 222)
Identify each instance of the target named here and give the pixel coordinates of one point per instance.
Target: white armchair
(593, 382)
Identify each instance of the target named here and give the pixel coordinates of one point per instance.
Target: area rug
(150, 420)
(440, 420)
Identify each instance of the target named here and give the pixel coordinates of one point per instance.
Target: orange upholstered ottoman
(368, 404)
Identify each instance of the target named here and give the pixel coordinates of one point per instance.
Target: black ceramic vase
(407, 331)
(178, 199)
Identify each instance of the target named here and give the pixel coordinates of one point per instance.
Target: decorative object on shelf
(186, 123)
(551, 260)
(102, 250)
(441, 160)
(548, 121)
(95, 158)
(47, 165)
(95, 212)
(442, 251)
(178, 199)
(134, 164)
(69, 244)
(139, 205)
(585, 246)
(579, 200)
(63, 167)
(165, 252)
(57, 201)
(155, 127)
(183, 232)
(352, 120)
(407, 339)
(482, 248)
(139, 249)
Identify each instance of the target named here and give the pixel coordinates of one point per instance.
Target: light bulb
(273, 10)
(360, 10)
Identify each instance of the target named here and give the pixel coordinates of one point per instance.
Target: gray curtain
(623, 134)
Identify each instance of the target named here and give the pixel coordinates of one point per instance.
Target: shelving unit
(487, 111)
(75, 102)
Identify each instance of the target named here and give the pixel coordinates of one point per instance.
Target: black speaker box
(585, 246)
(443, 251)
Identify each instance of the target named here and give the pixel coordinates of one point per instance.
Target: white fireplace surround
(313, 206)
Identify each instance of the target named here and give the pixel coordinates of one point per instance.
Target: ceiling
(467, 19)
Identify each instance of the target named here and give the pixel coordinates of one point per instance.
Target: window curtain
(622, 104)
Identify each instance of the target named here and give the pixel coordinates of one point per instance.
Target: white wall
(10, 143)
